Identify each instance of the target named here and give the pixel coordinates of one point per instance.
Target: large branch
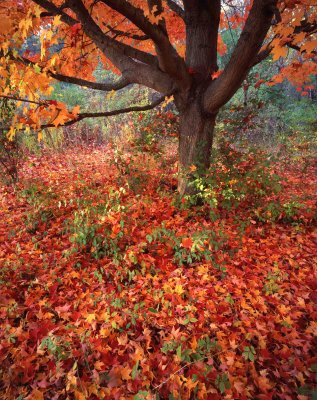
(251, 39)
(118, 53)
(124, 48)
(102, 86)
(169, 59)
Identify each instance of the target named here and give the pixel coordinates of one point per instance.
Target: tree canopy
(164, 45)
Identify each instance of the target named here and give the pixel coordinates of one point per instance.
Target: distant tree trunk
(195, 143)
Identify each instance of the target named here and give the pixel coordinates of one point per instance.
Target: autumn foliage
(112, 286)
(112, 290)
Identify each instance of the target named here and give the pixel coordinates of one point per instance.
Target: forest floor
(112, 289)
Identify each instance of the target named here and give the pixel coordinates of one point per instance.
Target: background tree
(172, 47)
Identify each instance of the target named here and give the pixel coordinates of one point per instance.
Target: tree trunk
(195, 144)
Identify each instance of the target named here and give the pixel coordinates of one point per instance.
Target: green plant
(235, 177)
(222, 383)
(249, 353)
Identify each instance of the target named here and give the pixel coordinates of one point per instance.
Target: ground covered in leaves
(111, 289)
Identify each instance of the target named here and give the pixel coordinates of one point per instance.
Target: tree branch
(176, 8)
(124, 48)
(119, 54)
(54, 10)
(117, 112)
(243, 57)
(202, 20)
(169, 60)
(103, 114)
(129, 35)
(102, 86)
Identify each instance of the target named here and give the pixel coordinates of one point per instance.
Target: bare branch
(102, 86)
(40, 103)
(129, 35)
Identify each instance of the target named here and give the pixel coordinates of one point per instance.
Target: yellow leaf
(104, 332)
(57, 20)
(90, 318)
(179, 289)
(111, 94)
(99, 365)
(37, 11)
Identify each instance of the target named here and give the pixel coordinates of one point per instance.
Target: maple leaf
(126, 373)
(179, 289)
(91, 317)
(75, 111)
(187, 243)
(57, 20)
(279, 51)
(61, 118)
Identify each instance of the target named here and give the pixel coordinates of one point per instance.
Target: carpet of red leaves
(84, 317)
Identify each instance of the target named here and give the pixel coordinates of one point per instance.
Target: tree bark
(195, 144)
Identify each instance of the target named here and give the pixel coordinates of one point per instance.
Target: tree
(170, 46)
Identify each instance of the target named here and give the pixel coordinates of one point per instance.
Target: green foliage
(89, 234)
(249, 353)
(223, 383)
(203, 244)
(235, 177)
(288, 212)
(55, 346)
(273, 279)
(131, 175)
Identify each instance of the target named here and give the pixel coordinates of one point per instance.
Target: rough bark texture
(202, 23)
(198, 96)
(195, 144)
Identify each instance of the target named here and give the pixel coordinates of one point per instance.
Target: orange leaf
(187, 243)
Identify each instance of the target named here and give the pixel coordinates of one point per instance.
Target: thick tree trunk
(195, 144)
